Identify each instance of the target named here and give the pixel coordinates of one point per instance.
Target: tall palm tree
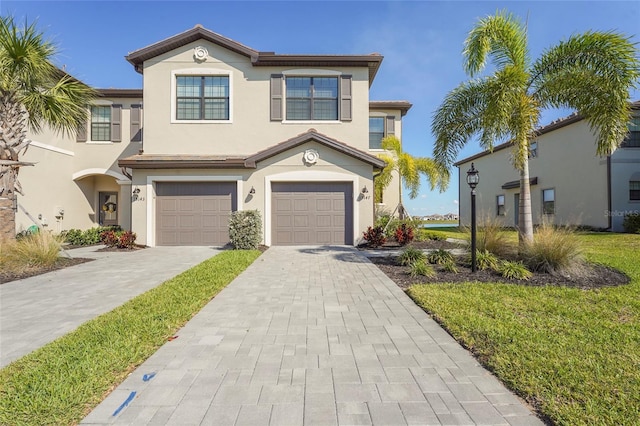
(409, 168)
(33, 93)
(591, 73)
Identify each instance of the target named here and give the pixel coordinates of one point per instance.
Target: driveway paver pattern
(311, 336)
(37, 310)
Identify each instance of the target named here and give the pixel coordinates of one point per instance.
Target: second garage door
(312, 213)
(194, 213)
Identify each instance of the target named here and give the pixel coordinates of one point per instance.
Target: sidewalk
(311, 336)
(37, 310)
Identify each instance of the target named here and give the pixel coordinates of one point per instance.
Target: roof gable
(313, 136)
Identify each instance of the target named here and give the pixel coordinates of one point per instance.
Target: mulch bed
(428, 244)
(591, 276)
(114, 249)
(62, 262)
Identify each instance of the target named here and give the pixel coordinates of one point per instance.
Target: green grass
(574, 354)
(61, 382)
(448, 231)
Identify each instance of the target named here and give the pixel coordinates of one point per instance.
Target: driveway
(37, 310)
(311, 336)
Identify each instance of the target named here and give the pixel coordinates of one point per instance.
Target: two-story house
(220, 127)
(570, 184)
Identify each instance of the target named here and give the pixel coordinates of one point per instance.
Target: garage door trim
(311, 177)
(151, 196)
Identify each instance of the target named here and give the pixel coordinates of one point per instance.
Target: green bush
(487, 260)
(492, 237)
(553, 249)
(411, 255)
(440, 257)
(425, 234)
(39, 249)
(374, 236)
(382, 220)
(514, 270)
(87, 237)
(450, 267)
(395, 223)
(631, 223)
(245, 229)
(421, 268)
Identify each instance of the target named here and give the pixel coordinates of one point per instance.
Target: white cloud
(455, 202)
(423, 196)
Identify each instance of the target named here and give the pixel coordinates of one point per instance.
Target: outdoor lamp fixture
(365, 190)
(252, 191)
(472, 180)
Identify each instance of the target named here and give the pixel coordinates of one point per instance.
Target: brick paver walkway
(310, 336)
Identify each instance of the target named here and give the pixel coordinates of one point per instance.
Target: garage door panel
(194, 213)
(312, 213)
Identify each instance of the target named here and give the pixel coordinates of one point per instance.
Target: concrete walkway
(310, 336)
(38, 310)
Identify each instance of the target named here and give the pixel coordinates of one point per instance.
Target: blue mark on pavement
(148, 376)
(125, 403)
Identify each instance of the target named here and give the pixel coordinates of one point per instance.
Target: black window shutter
(276, 97)
(81, 134)
(116, 127)
(136, 123)
(391, 125)
(345, 98)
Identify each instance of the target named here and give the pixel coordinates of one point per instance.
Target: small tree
(245, 229)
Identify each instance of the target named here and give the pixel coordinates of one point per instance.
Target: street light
(472, 180)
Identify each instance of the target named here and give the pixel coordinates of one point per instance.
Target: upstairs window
(376, 132)
(634, 190)
(633, 138)
(202, 98)
(533, 149)
(101, 123)
(312, 98)
(548, 201)
(500, 205)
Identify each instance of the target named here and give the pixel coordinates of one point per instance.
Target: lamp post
(472, 180)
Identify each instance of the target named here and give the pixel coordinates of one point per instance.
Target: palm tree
(591, 73)
(33, 93)
(409, 168)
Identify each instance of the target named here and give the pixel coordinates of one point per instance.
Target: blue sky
(421, 42)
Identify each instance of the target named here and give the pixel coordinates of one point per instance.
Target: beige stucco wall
(250, 129)
(287, 166)
(49, 186)
(625, 166)
(566, 162)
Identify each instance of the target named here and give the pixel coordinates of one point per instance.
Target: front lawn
(574, 354)
(61, 382)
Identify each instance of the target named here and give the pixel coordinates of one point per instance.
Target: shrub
(440, 257)
(89, 236)
(421, 268)
(404, 234)
(514, 270)
(631, 223)
(73, 236)
(425, 234)
(411, 255)
(40, 249)
(382, 220)
(245, 229)
(553, 249)
(374, 236)
(109, 238)
(127, 240)
(395, 223)
(119, 239)
(491, 236)
(450, 267)
(487, 260)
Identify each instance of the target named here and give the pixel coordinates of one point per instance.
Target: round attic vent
(200, 53)
(311, 156)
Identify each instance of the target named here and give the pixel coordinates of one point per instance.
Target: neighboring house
(570, 184)
(225, 128)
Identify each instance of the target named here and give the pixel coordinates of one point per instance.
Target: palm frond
(502, 37)
(592, 73)
(392, 143)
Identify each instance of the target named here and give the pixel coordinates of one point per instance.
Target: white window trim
(203, 72)
(555, 206)
(101, 103)
(302, 72)
(151, 196)
(311, 176)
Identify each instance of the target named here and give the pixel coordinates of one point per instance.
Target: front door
(108, 208)
(516, 209)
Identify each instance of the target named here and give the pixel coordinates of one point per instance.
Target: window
(548, 201)
(634, 190)
(376, 132)
(312, 98)
(100, 123)
(633, 138)
(500, 205)
(202, 98)
(533, 149)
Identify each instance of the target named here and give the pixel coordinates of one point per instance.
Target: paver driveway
(38, 310)
(311, 336)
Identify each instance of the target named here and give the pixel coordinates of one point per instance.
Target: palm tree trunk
(525, 221)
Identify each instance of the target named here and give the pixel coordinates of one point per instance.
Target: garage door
(194, 213)
(312, 213)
